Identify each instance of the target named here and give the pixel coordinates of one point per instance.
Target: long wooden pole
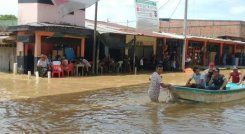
(134, 62)
(95, 37)
(184, 33)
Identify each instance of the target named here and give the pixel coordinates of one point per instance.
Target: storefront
(145, 48)
(51, 40)
(213, 53)
(112, 45)
(219, 51)
(172, 54)
(7, 53)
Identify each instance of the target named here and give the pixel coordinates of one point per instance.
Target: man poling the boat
(199, 79)
(235, 76)
(156, 83)
(218, 81)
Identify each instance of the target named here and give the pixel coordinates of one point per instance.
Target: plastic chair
(119, 66)
(56, 69)
(69, 70)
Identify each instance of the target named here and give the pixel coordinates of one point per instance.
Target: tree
(7, 20)
(8, 17)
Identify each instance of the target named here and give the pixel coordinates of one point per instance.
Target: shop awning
(26, 39)
(4, 41)
(114, 43)
(67, 35)
(56, 28)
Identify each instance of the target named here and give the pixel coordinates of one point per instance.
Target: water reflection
(118, 111)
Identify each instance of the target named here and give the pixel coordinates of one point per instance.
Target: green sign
(152, 3)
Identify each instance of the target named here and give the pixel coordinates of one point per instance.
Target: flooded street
(109, 105)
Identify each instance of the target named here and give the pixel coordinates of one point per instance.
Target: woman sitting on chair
(64, 62)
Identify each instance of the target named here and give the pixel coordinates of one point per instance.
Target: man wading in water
(156, 84)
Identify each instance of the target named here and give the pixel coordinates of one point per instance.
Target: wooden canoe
(210, 96)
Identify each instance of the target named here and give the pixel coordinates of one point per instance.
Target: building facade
(31, 11)
(42, 30)
(206, 28)
(218, 41)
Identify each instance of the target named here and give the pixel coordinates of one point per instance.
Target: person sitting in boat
(156, 83)
(199, 79)
(209, 73)
(235, 75)
(218, 81)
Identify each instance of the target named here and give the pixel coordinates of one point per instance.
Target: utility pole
(184, 33)
(95, 37)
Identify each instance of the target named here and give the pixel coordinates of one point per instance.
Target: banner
(147, 16)
(68, 6)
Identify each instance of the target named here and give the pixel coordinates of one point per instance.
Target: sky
(119, 11)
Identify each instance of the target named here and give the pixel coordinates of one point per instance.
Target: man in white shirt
(142, 63)
(43, 65)
(57, 60)
(86, 64)
(58, 63)
(199, 79)
(156, 83)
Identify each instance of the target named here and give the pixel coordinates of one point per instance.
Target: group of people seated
(212, 79)
(44, 64)
(108, 64)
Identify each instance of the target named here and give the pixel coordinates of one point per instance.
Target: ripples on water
(119, 111)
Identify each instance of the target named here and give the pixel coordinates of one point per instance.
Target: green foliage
(8, 17)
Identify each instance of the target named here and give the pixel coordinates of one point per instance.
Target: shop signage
(147, 16)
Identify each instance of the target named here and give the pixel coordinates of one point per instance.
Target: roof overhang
(65, 29)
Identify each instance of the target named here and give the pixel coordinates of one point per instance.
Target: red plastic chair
(56, 69)
(69, 70)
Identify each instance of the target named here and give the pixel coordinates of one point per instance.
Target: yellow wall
(147, 41)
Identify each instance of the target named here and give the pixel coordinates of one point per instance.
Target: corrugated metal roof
(101, 28)
(104, 27)
(216, 39)
(4, 43)
(109, 28)
(41, 24)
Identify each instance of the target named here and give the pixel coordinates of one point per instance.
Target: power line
(164, 4)
(175, 9)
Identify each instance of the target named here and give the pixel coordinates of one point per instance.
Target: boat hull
(208, 96)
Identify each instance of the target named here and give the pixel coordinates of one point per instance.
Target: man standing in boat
(156, 83)
(218, 81)
(209, 73)
(199, 79)
(235, 75)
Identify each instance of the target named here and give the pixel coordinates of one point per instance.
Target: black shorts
(197, 86)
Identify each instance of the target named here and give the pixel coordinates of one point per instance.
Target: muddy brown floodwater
(63, 106)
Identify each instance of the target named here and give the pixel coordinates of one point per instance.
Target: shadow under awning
(115, 43)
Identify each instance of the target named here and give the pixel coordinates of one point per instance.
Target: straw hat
(43, 56)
